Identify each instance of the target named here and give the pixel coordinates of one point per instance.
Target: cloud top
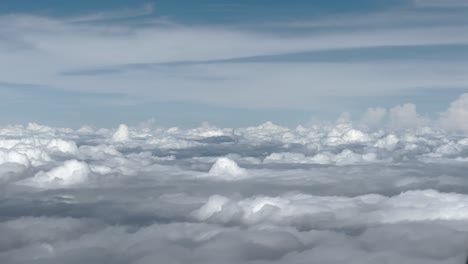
(267, 193)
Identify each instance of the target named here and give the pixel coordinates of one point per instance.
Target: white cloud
(389, 142)
(301, 210)
(227, 169)
(322, 191)
(121, 134)
(13, 157)
(456, 116)
(70, 173)
(40, 48)
(155, 44)
(405, 116)
(374, 117)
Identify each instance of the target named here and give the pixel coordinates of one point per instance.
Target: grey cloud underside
(265, 194)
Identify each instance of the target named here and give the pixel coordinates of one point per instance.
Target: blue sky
(208, 11)
(239, 63)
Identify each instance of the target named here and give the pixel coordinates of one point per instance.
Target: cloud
(262, 194)
(456, 116)
(13, 157)
(41, 48)
(121, 134)
(305, 212)
(227, 169)
(405, 116)
(374, 116)
(70, 173)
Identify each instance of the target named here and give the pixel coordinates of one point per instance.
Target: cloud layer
(339, 192)
(219, 65)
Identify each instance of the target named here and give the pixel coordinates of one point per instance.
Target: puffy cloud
(121, 134)
(264, 194)
(344, 133)
(374, 116)
(7, 156)
(405, 116)
(227, 169)
(307, 212)
(58, 145)
(389, 142)
(49, 144)
(456, 116)
(70, 173)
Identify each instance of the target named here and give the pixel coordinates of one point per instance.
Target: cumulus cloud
(13, 157)
(456, 116)
(374, 117)
(70, 173)
(389, 142)
(121, 134)
(328, 192)
(305, 212)
(225, 168)
(405, 116)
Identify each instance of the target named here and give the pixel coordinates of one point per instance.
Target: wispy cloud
(233, 66)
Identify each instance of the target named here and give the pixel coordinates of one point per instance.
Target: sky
(227, 63)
